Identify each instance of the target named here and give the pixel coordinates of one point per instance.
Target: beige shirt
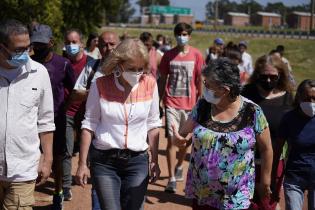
(26, 109)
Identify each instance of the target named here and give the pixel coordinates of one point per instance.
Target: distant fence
(235, 32)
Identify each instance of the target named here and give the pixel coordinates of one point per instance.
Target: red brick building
(300, 20)
(236, 19)
(266, 19)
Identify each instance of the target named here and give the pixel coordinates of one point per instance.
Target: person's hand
(179, 140)
(154, 172)
(44, 171)
(82, 175)
(264, 191)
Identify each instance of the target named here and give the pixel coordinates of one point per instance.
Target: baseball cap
(219, 41)
(41, 33)
(242, 43)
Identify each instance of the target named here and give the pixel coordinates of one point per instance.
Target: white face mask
(308, 108)
(210, 97)
(132, 77)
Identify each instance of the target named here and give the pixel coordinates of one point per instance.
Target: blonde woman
(122, 110)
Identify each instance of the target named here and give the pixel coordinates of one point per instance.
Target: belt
(123, 154)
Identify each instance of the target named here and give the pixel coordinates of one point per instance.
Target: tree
(225, 6)
(64, 14)
(125, 12)
(250, 7)
(146, 3)
(111, 9)
(46, 12)
(277, 7)
(210, 10)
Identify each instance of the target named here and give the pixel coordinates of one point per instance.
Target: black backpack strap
(91, 75)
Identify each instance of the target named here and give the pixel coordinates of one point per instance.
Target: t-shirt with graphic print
(221, 171)
(183, 73)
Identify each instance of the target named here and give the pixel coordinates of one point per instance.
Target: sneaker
(58, 202)
(67, 194)
(171, 187)
(179, 174)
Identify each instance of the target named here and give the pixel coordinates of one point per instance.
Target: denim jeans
(67, 156)
(94, 198)
(119, 183)
(294, 196)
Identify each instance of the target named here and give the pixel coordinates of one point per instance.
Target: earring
(117, 73)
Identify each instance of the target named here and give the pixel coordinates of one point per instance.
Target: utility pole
(312, 15)
(216, 13)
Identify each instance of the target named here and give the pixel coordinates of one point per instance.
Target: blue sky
(198, 6)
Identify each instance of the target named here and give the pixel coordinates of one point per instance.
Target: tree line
(86, 15)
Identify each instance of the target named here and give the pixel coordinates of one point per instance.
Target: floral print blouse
(221, 172)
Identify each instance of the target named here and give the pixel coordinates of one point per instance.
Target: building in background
(266, 19)
(300, 20)
(236, 19)
(156, 15)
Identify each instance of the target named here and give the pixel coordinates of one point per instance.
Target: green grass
(300, 53)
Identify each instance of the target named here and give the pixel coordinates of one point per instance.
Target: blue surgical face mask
(182, 40)
(72, 49)
(209, 96)
(18, 60)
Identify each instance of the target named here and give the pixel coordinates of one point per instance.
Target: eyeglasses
(271, 77)
(18, 51)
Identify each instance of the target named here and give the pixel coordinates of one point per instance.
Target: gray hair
(11, 27)
(224, 72)
(75, 30)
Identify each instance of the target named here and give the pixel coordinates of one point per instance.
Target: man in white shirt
(27, 119)
(247, 63)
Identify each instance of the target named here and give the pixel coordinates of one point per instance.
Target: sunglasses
(269, 76)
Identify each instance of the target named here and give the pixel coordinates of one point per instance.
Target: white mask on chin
(132, 77)
(210, 97)
(308, 108)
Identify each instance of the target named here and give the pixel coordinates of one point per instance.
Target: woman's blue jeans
(294, 196)
(120, 182)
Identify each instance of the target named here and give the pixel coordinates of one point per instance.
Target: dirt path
(157, 199)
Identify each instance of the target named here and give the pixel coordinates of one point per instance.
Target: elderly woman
(226, 128)
(271, 89)
(122, 110)
(298, 129)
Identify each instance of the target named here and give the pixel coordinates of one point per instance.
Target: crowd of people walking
(246, 132)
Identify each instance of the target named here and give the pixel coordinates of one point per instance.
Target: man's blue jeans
(294, 196)
(119, 183)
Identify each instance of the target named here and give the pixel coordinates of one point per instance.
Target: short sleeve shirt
(183, 73)
(221, 172)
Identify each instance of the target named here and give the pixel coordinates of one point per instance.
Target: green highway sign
(154, 9)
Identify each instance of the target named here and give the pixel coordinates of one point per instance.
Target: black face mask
(41, 53)
(268, 85)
